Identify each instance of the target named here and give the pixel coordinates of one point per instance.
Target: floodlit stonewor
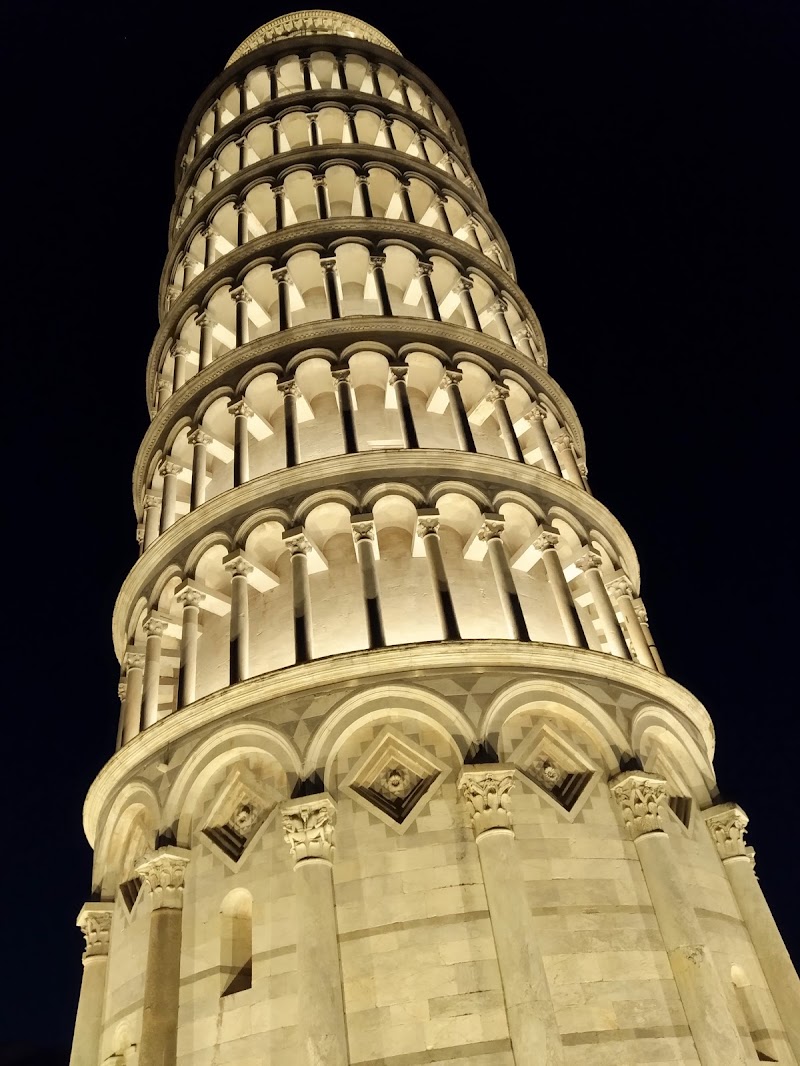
(400, 776)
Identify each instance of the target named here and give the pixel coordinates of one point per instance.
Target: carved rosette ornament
(727, 824)
(639, 796)
(308, 827)
(486, 793)
(94, 921)
(163, 872)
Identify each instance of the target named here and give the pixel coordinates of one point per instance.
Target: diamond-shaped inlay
(558, 772)
(239, 815)
(395, 779)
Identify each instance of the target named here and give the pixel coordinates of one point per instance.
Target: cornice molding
(540, 660)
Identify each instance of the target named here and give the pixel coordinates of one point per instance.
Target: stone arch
(134, 815)
(655, 728)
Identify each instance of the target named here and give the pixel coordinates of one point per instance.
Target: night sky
(638, 156)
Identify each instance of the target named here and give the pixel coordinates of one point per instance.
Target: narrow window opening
(236, 942)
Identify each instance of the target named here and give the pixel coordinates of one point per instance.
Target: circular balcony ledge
(383, 332)
(275, 109)
(403, 660)
(378, 466)
(321, 233)
(288, 46)
(309, 23)
(314, 157)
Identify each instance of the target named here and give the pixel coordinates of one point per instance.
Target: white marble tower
(400, 779)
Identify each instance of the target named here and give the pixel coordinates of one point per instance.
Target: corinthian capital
(308, 827)
(163, 872)
(486, 793)
(620, 586)
(94, 921)
(727, 824)
(639, 796)
(589, 561)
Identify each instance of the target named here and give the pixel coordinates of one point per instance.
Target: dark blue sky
(639, 159)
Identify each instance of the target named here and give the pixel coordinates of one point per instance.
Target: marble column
(386, 128)
(180, 353)
(573, 630)
(330, 280)
(440, 203)
(563, 446)
(498, 311)
(133, 661)
(640, 797)
(207, 325)
(163, 392)
(154, 630)
(190, 599)
(291, 393)
(238, 567)
(424, 271)
(497, 396)
(241, 413)
(152, 519)
(450, 383)
(403, 185)
(308, 825)
(463, 287)
(376, 85)
(191, 268)
(532, 1027)
(727, 824)
(622, 589)
(281, 279)
(362, 182)
(199, 441)
(376, 265)
(536, 416)
(641, 615)
(313, 129)
(344, 399)
(299, 547)
(321, 193)
(590, 562)
(242, 298)
(408, 431)
(163, 873)
(428, 532)
(364, 537)
(280, 206)
(491, 533)
(94, 921)
(169, 471)
(242, 214)
(209, 234)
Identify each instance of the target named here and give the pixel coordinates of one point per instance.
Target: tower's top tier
(310, 23)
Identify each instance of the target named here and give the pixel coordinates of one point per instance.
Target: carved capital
(240, 409)
(241, 295)
(151, 501)
(154, 626)
(163, 872)
(237, 565)
(94, 921)
(428, 524)
(397, 373)
(208, 231)
(562, 442)
(297, 542)
(497, 392)
(199, 436)
(641, 614)
(319, 181)
(281, 274)
(451, 377)
(424, 269)
(377, 262)
(308, 827)
(492, 527)
(205, 320)
(122, 690)
(189, 597)
(639, 796)
(588, 561)
(537, 413)
(168, 466)
(241, 207)
(133, 660)
(727, 824)
(463, 285)
(289, 388)
(485, 789)
(545, 541)
(363, 527)
(328, 264)
(341, 375)
(500, 306)
(620, 586)
(180, 350)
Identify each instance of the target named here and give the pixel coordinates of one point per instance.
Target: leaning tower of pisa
(400, 777)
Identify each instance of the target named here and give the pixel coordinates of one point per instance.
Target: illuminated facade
(400, 776)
